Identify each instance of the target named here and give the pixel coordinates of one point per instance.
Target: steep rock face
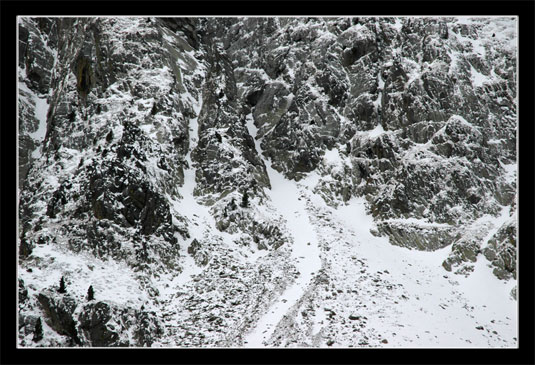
(149, 150)
(226, 153)
(413, 102)
(115, 142)
(36, 59)
(293, 125)
(107, 140)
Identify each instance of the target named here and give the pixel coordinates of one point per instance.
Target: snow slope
(199, 215)
(391, 296)
(287, 198)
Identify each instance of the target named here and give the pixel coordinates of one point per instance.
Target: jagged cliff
(267, 181)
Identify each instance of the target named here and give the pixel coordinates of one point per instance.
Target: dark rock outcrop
(501, 250)
(59, 310)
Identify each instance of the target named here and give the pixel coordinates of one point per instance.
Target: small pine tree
(245, 200)
(62, 285)
(38, 331)
(90, 293)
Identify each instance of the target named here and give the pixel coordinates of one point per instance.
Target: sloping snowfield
(405, 295)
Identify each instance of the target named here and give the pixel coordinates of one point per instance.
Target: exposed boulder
(94, 325)
(106, 325)
(358, 42)
(23, 291)
(421, 237)
(501, 250)
(200, 255)
(465, 250)
(59, 310)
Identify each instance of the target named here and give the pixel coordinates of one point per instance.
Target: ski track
(288, 200)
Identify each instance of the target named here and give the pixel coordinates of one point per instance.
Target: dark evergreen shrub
(38, 331)
(90, 293)
(62, 285)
